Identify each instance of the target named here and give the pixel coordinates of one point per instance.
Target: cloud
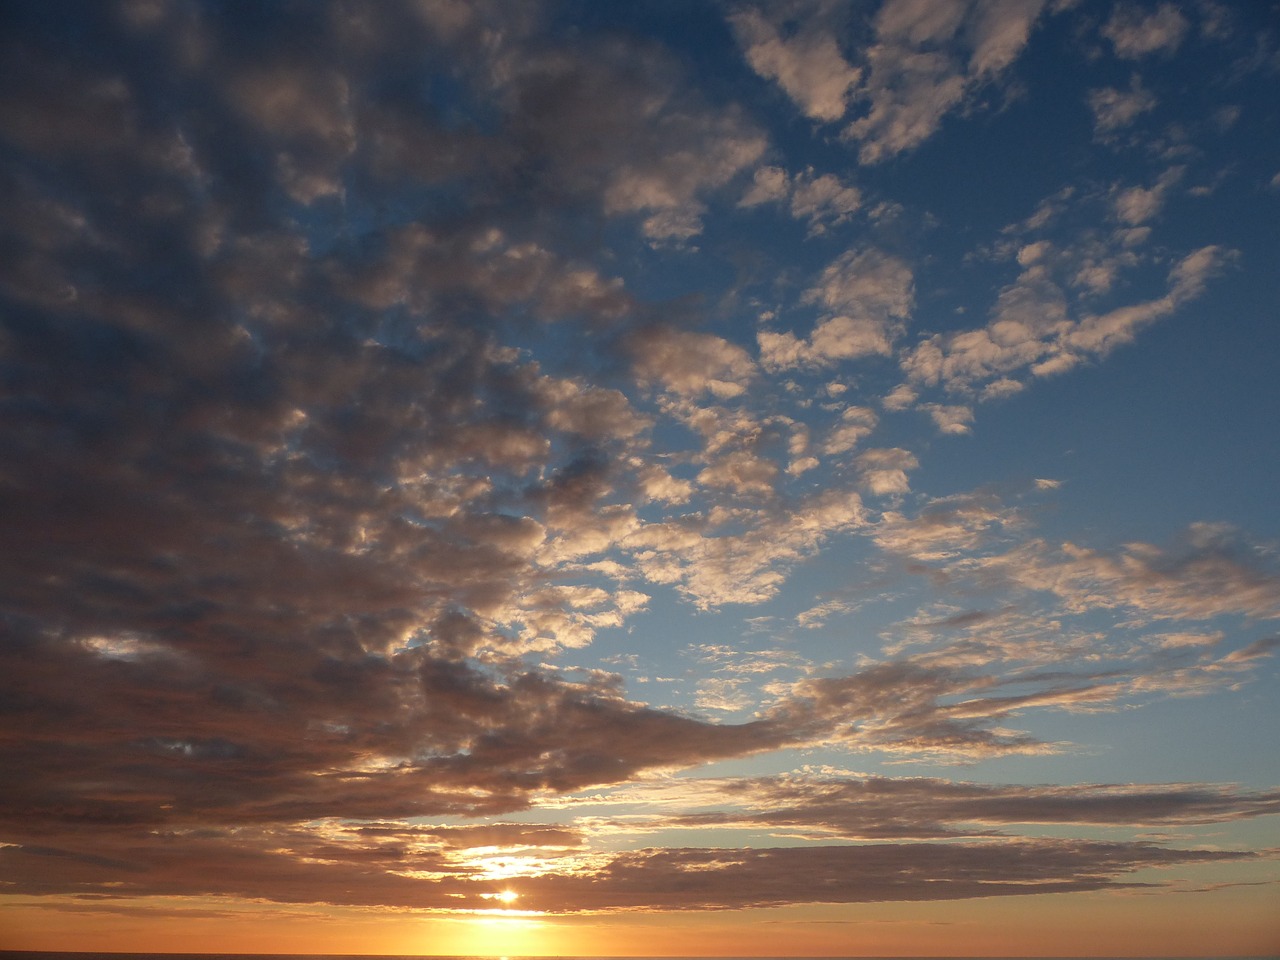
(283, 868)
(855, 425)
(950, 418)
(865, 294)
(824, 201)
(656, 161)
(1210, 572)
(823, 806)
(1113, 108)
(884, 471)
(1136, 205)
(698, 878)
(715, 567)
(944, 527)
(808, 66)
(925, 60)
(1033, 331)
(689, 363)
(1135, 33)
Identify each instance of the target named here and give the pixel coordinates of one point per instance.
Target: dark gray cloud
(870, 808)
(666, 879)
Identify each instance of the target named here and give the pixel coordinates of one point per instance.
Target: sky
(684, 478)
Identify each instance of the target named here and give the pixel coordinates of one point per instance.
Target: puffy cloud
(1032, 329)
(1136, 205)
(1113, 109)
(866, 294)
(689, 363)
(1187, 279)
(856, 423)
(926, 60)
(824, 201)
(950, 419)
(808, 66)
(944, 528)
(715, 567)
(1134, 32)
(869, 281)
(884, 471)
(742, 471)
(913, 91)
(900, 397)
(768, 184)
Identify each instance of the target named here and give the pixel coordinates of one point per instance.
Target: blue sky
(578, 465)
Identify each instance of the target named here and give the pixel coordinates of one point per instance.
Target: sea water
(125, 955)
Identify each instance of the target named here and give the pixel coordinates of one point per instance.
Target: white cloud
(1136, 205)
(1099, 334)
(867, 295)
(768, 184)
(855, 424)
(900, 397)
(1135, 33)
(824, 201)
(1032, 330)
(740, 471)
(1113, 109)
(927, 59)
(944, 528)
(884, 471)
(952, 419)
(808, 66)
(750, 566)
(690, 363)
(1211, 572)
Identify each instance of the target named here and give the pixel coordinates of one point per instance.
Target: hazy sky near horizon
(578, 477)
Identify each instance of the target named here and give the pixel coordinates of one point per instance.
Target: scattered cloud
(1210, 572)
(865, 296)
(808, 66)
(824, 200)
(926, 61)
(1113, 108)
(1033, 330)
(884, 471)
(1135, 31)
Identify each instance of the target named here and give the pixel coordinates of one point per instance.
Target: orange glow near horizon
(1223, 922)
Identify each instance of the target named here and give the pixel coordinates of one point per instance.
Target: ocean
(129, 955)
